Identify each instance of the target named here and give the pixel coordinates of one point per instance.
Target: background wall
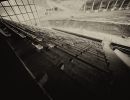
(31, 11)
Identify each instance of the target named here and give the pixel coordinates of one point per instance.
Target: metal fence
(105, 5)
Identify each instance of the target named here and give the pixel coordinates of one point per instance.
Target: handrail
(124, 57)
(4, 34)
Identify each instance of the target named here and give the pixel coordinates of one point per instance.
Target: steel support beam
(100, 7)
(108, 4)
(115, 4)
(122, 4)
(93, 5)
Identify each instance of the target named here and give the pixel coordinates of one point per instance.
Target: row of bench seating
(72, 44)
(44, 62)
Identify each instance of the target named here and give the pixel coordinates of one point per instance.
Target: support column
(115, 5)
(93, 5)
(121, 5)
(108, 5)
(100, 7)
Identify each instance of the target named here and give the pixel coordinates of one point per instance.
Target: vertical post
(100, 5)
(14, 11)
(93, 4)
(20, 10)
(32, 11)
(6, 12)
(26, 11)
(115, 4)
(121, 5)
(108, 4)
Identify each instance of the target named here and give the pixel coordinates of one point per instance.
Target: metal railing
(105, 5)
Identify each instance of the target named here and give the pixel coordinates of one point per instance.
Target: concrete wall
(108, 28)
